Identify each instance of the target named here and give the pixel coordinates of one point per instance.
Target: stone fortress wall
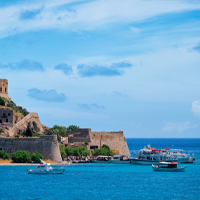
(4, 88)
(21, 125)
(48, 146)
(115, 140)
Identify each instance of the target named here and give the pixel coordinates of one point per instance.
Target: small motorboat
(119, 159)
(168, 167)
(45, 168)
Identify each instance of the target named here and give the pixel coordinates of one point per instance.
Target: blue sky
(106, 65)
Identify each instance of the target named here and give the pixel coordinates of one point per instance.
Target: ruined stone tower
(4, 88)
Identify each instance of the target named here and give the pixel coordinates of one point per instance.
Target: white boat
(181, 156)
(168, 167)
(119, 159)
(45, 168)
(149, 155)
(101, 159)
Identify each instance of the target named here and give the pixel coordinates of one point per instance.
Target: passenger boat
(181, 156)
(149, 155)
(119, 159)
(45, 168)
(168, 167)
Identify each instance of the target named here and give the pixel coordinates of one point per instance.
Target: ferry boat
(168, 167)
(149, 155)
(45, 168)
(181, 156)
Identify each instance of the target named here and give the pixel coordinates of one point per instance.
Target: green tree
(68, 151)
(36, 157)
(72, 127)
(96, 152)
(86, 152)
(2, 102)
(76, 151)
(105, 147)
(4, 155)
(21, 157)
(28, 130)
(62, 151)
(86, 143)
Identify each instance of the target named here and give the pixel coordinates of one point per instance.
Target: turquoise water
(108, 181)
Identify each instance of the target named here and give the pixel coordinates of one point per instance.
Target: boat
(119, 159)
(149, 155)
(45, 168)
(181, 156)
(168, 167)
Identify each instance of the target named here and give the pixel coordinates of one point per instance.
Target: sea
(108, 181)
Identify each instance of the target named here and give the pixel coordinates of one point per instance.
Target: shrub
(72, 127)
(104, 151)
(62, 151)
(35, 135)
(86, 152)
(21, 157)
(105, 147)
(86, 143)
(16, 109)
(4, 155)
(35, 127)
(68, 151)
(36, 157)
(17, 136)
(2, 102)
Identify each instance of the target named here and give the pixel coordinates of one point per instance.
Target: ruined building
(4, 88)
(11, 122)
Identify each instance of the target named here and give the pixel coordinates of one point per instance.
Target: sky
(107, 65)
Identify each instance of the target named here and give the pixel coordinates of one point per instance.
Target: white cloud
(51, 17)
(196, 107)
(179, 127)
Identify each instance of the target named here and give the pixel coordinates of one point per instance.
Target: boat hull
(54, 171)
(158, 169)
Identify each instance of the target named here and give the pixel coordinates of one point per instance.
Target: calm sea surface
(108, 181)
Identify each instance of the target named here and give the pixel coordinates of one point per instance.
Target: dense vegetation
(4, 155)
(2, 102)
(76, 151)
(61, 130)
(104, 151)
(26, 157)
(31, 130)
(16, 109)
(21, 157)
(36, 157)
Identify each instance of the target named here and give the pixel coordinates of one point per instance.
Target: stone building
(114, 139)
(4, 88)
(9, 117)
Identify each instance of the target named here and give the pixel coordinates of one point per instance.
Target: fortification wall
(115, 140)
(21, 125)
(48, 146)
(80, 135)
